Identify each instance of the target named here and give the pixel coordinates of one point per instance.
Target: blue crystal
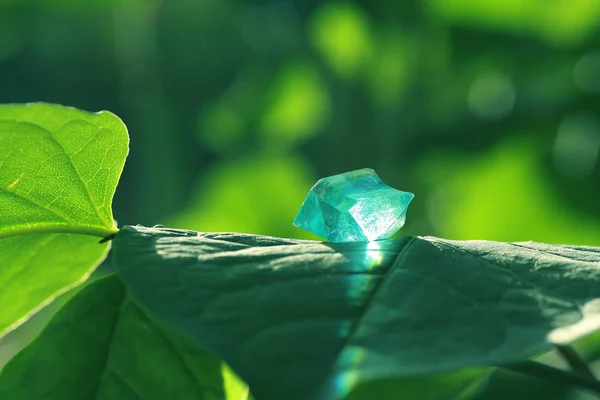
(353, 207)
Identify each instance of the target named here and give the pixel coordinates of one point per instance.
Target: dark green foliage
(308, 320)
(101, 346)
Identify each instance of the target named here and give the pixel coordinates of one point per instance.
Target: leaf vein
(197, 385)
(514, 274)
(83, 183)
(125, 384)
(34, 202)
(373, 295)
(108, 353)
(549, 253)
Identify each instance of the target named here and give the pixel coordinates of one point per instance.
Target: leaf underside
(102, 346)
(310, 320)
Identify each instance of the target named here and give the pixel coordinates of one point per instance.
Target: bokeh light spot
(502, 195)
(252, 195)
(222, 127)
(390, 67)
(508, 15)
(577, 145)
(566, 22)
(558, 22)
(586, 73)
(298, 104)
(341, 32)
(492, 95)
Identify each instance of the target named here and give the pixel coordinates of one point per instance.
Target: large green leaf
(309, 320)
(102, 346)
(59, 168)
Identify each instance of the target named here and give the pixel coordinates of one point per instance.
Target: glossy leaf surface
(310, 320)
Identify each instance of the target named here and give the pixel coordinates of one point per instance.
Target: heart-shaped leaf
(309, 320)
(59, 168)
(102, 346)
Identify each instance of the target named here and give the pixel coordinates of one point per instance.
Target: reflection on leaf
(342, 33)
(297, 104)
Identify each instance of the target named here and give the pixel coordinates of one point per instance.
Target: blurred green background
(487, 110)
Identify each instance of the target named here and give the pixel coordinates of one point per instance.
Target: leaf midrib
(107, 370)
(88, 230)
(188, 370)
(100, 230)
(123, 383)
(374, 294)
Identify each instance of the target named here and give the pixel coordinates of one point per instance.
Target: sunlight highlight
(352, 357)
(588, 324)
(373, 255)
(349, 363)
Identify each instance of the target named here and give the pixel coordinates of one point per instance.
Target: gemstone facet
(353, 207)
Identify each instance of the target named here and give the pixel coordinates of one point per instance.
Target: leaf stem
(546, 372)
(98, 231)
(575, 361)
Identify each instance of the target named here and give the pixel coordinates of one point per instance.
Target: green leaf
(102, 346)
(310, 320)
(59, 168)
(463, 384)
(19, 338)
(34, 269)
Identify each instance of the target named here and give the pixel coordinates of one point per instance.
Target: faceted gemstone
(353, 207)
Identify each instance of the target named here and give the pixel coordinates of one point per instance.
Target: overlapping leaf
(102, 346)
(36, 268)
(59, 168)
(309, 320)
